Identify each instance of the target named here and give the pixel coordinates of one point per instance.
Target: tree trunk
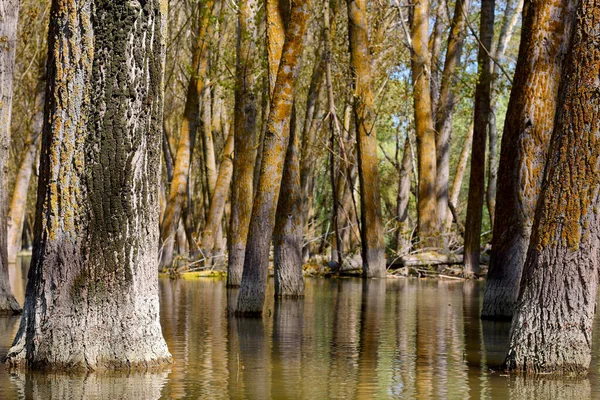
(403, 230)
(219, 199)
(460, 173)
(92, 295)
(546, 35)
(370, 201)
(287, 237)
(435, 47)
(254, 279)
(445, 109)
(9, 16)
(426, 154)
(187, 135)
(481, 121)
(551, 329)
(244, 141)
(511, 14)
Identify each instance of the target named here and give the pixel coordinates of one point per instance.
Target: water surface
(348, 339)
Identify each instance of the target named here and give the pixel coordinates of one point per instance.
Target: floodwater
(348, 339)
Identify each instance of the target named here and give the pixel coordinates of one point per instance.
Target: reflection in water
(347, 339)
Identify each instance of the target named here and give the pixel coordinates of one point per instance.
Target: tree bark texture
(546, 35)
(426, 147)
(9, 17)
(287, 237)
(254, 278)
(551, 329)
(92, 294)
(481, 120)
(364, 111)
(445, 108)
(245, 127)
(511, 15)
(187, 135)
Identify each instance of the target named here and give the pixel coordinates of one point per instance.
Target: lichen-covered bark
(546, 33)
(287, 236)
(426, 148)
(254, 279)
(92, 295)
(245, 126)
(368, 172)
(187, 136)
(551, 329)
(219, 199)
(481, 121)
(445, 108)
(9, 16)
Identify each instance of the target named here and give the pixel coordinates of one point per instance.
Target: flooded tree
(92, 295)
(9, 16)
(373, 251)
(551, 329)
(481, 127)
(529, 123)
(245, 115)
(254, 278)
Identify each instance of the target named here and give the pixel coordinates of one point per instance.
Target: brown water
(348, 339)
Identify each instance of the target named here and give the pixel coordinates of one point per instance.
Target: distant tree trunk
(92, 295)
(551, 329)
(403, 230)
(18, 203)
(511, 15)
(9, 16)
(460, 173)
(187, 136)
(254, 279)
(435, 46)
(370, 201)
(546, 35)
(426, 154)
(445, 109)
(481, 121)
(219, 199)
(287, 237)
(245, 125)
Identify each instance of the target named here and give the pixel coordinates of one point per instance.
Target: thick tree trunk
(9, 16)
(92, 295)
(254, 279)
(546, 34)
(426, 152)
(373, 254)
(551, 329)
(481, 121)
(287, 236)
(219, 199)
(445, 109)
(245, 125)
(187, 135)
(403, 229)
(511, 15)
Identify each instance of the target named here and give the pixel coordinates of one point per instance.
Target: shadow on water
(347, 339)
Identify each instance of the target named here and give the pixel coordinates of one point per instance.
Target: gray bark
(9, 15)
(92, 295)
(529, 123)
(287, 237)
(551, 331)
